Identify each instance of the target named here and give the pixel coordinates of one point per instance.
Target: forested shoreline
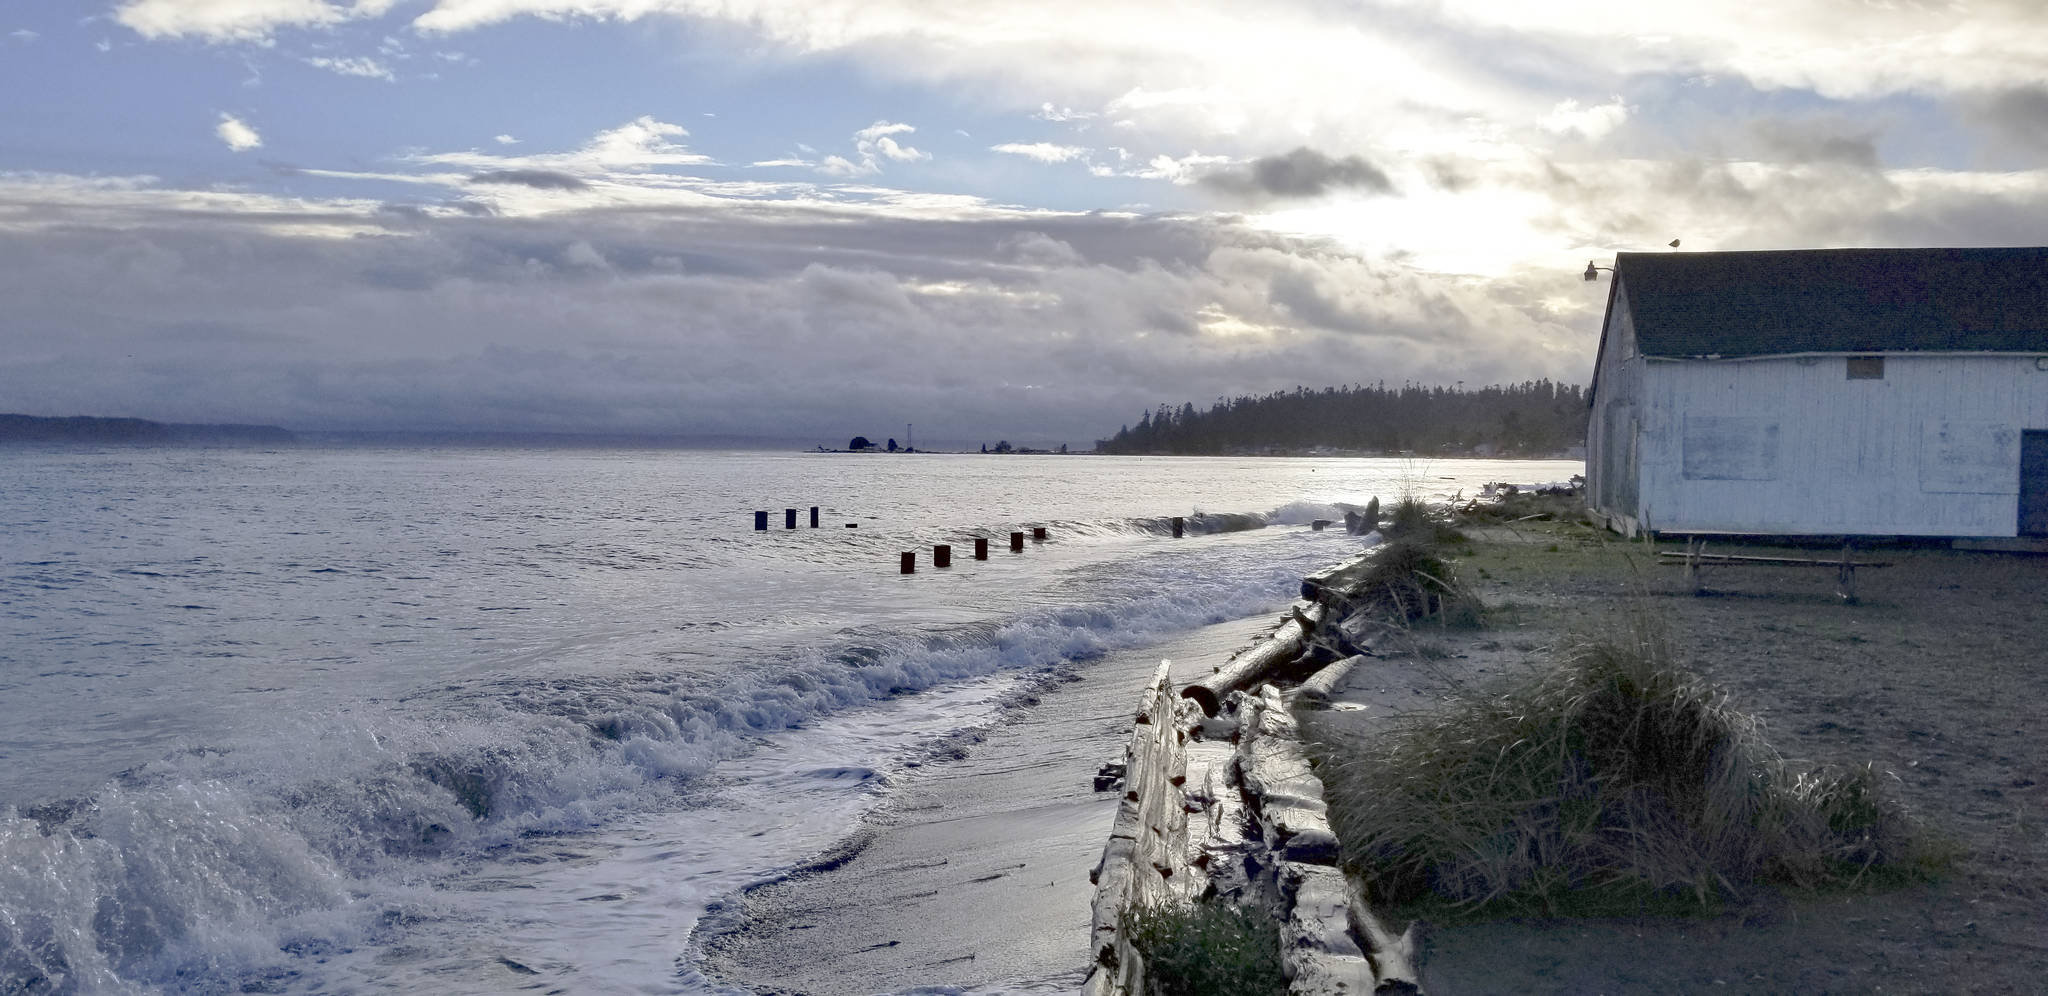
(1533, 418)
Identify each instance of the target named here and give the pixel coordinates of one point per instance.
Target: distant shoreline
(135, 432)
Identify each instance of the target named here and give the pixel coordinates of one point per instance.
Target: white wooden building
(1828, 392)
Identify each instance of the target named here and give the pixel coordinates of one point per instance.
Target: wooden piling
(1037, 532)
(760, 520)
(942, 556)
(1016, 542)
(909, 562)
(1179, 526)
(981, 548)
(814, 516)
(789, 518)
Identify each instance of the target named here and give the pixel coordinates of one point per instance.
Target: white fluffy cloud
(1593, 122)
(1045, 152)
(238, 20)
(237, 133)
(871, 147)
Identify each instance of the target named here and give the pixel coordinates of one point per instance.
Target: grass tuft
(1617, 779)
(1207, 949)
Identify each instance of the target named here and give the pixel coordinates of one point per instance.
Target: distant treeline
(137, 431)
(1533, 418)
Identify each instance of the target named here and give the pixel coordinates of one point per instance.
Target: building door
(2034, 483)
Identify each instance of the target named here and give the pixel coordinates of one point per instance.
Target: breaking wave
(225, 866)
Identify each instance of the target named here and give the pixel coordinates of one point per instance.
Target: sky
(995, 219)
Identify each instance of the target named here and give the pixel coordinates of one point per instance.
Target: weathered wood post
(1037, 533)
(981, 548)
(814, 516)
(789, 518)
(942, 556)
(909, 562)
(760, 520)
(1179, 525)
(1016, 542)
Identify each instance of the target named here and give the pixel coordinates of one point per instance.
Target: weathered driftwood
(1260, 835)
(1337, 579)
(1393, 956)
(1317, 949)
(1254, 664)
(1315, 692)
(1331, 941)
(1363, 522)
(1147, 843)
(1281, 787)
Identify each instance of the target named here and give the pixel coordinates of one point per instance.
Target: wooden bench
(1695, 558)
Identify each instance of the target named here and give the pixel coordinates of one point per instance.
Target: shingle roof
(1837, 301)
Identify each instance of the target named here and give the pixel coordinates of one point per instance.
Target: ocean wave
(209, 869)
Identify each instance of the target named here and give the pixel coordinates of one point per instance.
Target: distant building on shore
(1858, 392)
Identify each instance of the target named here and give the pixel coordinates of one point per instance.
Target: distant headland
(135, 431)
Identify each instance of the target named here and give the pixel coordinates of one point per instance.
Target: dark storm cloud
(1304, 172)
(538, 179)
(780, 321)
(1811, 141)
(2019, 115)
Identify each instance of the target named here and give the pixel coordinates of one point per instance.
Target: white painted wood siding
(1612, 479)
(1791, 445)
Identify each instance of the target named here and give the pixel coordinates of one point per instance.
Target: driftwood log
(1147, 843)
(1257, 662)
(1316, 691)
(1337, 580)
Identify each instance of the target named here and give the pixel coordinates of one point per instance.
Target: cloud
(239, 20)
(1047, 112)
(712, 316)
(538, 179)
(2019, 114)
(1817, 141)
(24, 35)
(238, 135)
(362, 66)
(1301, 173)
(1045, 152)
(876, 140)
(1589, 122)
(1179, 171)
(505, 140)
(641, 143)
(872, 145)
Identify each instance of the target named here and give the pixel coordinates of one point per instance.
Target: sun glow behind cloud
(1259, 195)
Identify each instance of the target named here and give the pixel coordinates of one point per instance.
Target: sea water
(332, 719)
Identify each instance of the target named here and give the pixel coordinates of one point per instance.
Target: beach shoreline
(973, 875)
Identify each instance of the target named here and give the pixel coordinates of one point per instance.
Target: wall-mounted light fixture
(1593, 272)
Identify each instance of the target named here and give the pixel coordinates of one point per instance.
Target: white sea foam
(411, 734)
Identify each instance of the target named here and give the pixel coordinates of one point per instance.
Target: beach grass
(1207, 948)
(1614, 780)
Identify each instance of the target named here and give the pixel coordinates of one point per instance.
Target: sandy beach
(1935, 677)
(973, 876)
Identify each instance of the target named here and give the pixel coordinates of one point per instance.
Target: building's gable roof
(1730, 304)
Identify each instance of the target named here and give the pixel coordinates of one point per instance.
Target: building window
(1866, 368)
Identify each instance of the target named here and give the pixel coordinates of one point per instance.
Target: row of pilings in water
(942, 554)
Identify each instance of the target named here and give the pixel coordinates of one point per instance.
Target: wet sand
(973, 876)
